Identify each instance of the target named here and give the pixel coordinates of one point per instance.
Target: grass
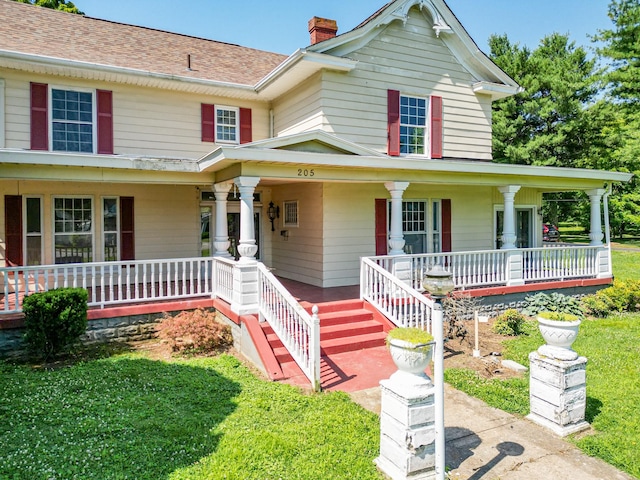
(129, 417)
(613, 369)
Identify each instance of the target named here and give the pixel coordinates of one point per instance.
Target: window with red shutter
(13, 230)
(381, 228)
(105, 121)
(39, 116)
(393, 123)
(208, 121)
(246, 135)
(127, 243)
(436, 127)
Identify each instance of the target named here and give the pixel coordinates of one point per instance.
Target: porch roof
(335, 159)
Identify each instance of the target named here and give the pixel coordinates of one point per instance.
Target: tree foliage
(547, 123)
(63, 5)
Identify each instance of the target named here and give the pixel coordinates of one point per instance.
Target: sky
(281, 25)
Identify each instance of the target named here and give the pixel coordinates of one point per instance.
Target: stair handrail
(298, 330)
(398, 301)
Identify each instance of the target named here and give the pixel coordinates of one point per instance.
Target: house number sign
(306, 172)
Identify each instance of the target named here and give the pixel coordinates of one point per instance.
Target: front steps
(345, 326)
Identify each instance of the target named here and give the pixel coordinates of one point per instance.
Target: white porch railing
(399, 302)
(111, 283)
(223, 278)
(297, 329)
(503, 267)
(560, 262)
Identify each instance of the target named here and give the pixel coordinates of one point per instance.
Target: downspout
(271, 123)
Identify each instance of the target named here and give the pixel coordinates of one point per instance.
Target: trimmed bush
(195, 331)
(511, 322)
(54, 320)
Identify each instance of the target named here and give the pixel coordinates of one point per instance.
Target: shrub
(554, 302)
(195, 331)
(559, 316)
(511, 322)
(54, 320)
(597, 305)
(621, 297)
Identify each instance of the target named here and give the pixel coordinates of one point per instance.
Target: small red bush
(195, 331)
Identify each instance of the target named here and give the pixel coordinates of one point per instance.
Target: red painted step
(345, 326)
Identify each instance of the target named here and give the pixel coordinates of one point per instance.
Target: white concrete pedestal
(407, 431)
(558, 393)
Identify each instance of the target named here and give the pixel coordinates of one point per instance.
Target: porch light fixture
(438, 282)
(273, 212)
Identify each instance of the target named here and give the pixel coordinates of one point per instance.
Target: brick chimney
(322, 29)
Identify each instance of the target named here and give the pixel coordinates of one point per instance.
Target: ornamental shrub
(54, 320)
(554, 302)
(620, 297)
(511, 322)
(195, 331)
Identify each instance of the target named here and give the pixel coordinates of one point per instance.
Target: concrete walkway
(486, 443)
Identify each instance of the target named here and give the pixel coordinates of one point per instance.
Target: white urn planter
(559, 331)
(411, 350)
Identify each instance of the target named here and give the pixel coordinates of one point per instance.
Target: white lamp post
(439, 283)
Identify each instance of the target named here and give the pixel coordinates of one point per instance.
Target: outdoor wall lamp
(273, 212)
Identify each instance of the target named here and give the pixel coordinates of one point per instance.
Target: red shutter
(446, 224)
(105, 121)
(39, 116)
(393, 122)
(127, 244)
(246, 135)
(208, 119)
(13, 230)
(381, 226)
(436, 127)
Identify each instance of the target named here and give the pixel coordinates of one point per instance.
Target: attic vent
(322, 29)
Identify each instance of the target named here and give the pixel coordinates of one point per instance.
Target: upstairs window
(413, 125)
(227, 124)
(71, 121)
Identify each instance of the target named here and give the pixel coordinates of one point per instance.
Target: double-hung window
(413, 125)
(227, 125)
(73, 229)
(72, 121)
(421, 226)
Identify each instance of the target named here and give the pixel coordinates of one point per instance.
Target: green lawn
(612, 348)
(128, 417)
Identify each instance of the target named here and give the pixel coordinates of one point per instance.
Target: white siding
(299, 257)
(167, 219)
(409, 58)
(145, 121)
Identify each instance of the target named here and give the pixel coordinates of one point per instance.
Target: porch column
(509, 220)
(595, 235)
(221, 239)
(396, 239)
(247, 247)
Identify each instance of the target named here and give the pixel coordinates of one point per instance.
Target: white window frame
(94, 116)
(290, 207)
(27, 234)
(429, 225)
(55, 234)
(236, 127)
(104, 232)
(427, 123)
